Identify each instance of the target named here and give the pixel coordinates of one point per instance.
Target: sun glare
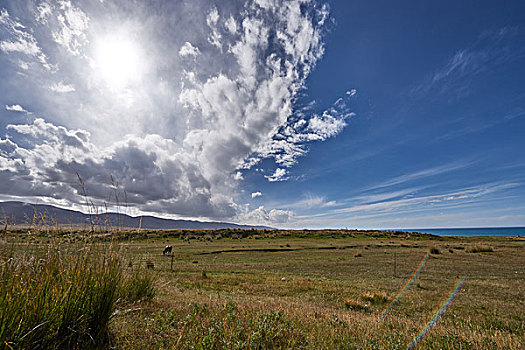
(118, 61)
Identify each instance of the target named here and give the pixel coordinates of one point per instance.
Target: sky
(291, 114)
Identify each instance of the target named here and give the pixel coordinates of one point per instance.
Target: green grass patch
(64, 299)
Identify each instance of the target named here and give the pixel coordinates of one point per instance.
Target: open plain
(238, 289)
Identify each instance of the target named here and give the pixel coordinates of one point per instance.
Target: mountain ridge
(18, 213)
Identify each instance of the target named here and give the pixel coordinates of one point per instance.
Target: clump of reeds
(354, 304)
(375, 297)
(481, 249)
(60, 300)
(138, 285)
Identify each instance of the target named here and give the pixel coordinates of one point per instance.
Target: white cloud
(231, 25)
(325, 126)
(62, 88)
(306, 126)
(23, 65)
(188, 50)
(43, 11)
(215, 36)
(73, 23)
(256, 194)
(261, 216)
(492, 49)
(383, 196)
(181, 138)
(415, 176)
(311, 202)
(458, 198)
(278, 175)
(21, 40)
(15, 108)
(213, 17)
(156, 176)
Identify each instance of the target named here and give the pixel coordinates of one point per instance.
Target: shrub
(434, 250)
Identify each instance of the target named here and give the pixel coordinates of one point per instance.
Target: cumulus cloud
(193, 127)
(261, 216)
(278, 175)
(138, 165)
(15, 108)
(188, 50)
(256, 194)
(305, 126)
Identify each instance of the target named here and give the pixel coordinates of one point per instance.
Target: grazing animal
(167, 250)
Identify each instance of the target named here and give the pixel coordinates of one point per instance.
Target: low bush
(434, 250)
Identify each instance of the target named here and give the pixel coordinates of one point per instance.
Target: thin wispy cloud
(425, 173)
(311, 202)
(379, 197)
(492, 49)
(442, 200)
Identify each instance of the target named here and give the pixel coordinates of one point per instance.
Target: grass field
(311, 289)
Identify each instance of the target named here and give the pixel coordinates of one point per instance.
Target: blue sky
(301, 114)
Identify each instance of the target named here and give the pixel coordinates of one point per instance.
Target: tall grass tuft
(59, 300)
(139, 285)
(375, 297)
(481, 249)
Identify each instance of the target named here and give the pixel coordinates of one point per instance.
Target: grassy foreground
(313, 290)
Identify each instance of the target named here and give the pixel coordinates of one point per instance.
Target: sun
(118, 61)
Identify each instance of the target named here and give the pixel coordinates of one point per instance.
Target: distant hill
(20, 213)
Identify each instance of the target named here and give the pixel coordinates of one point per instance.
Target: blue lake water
(481, 231)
